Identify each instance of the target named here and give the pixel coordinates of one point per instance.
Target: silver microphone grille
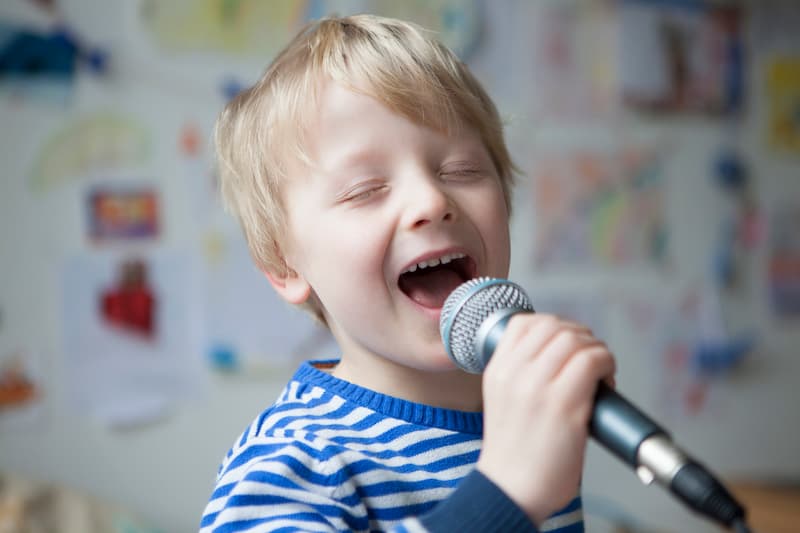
(465, 310)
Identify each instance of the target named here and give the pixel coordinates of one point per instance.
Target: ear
(290, 285)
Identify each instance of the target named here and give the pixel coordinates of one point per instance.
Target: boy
(369, 172)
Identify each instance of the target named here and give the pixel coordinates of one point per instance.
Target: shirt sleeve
(477, 505)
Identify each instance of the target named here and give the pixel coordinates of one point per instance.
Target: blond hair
(396, 62)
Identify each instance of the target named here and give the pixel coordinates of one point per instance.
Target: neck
(449, 389)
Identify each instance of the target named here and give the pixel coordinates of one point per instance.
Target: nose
(428, 203)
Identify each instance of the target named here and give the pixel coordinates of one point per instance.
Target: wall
(163, 467)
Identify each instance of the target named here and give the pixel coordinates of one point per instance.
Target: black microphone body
(473, 321)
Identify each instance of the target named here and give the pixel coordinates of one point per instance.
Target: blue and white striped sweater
(333, 456)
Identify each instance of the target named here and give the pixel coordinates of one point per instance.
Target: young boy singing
(369, 172)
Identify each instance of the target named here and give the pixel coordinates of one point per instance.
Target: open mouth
(429, 283)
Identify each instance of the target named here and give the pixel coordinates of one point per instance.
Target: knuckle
(524, 324)
(595, 359)
(518, 324)
(570, 338)
(549, 321)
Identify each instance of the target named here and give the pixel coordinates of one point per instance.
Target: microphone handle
(637, 440)
(619, 425)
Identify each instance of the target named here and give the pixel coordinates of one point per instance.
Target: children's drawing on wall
(232, 28)
(21, 390)
(741, 227)
(129, 304)
(706, 352)
(253, 28)
(41, 64)
(783, 104)
(784, 261)
(681, 56)
(693, 349)
(91, 145)
(710, 334)
(36, 66)
(122, 213)
(129, 324)
(574, 59)
(599, 209)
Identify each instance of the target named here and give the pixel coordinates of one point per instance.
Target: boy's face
(384, 195)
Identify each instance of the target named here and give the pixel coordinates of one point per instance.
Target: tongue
(431, 288)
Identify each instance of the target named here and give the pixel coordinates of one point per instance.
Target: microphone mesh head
(467, 307)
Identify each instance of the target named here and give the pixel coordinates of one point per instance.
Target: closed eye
(362, 192)
(462, 173)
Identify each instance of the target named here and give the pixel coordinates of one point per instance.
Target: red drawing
(130, 304)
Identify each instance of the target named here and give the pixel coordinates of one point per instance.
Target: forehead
(350, 125)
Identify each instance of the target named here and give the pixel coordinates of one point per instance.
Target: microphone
(474, 318)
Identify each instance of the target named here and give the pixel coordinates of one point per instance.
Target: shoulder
(284, 478)
(286, 457)
(287, 431)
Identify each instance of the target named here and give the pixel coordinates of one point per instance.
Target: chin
(438, 363)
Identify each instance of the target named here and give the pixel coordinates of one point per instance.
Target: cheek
(494, 222)
(346, 271)
(336, 251)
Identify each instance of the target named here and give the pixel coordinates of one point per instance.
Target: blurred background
(658, 200)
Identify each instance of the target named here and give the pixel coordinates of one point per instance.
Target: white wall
(165, 470)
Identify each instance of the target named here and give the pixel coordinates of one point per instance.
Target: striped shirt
(332, 456)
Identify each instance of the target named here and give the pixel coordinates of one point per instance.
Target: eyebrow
(342, 169)
(354, 159)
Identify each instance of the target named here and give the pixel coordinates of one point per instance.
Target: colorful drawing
(698, 352)
(17, 387)
(681, 56)
(91, 144)
(783, 104)
(122, 214)
(692, 346)
(21, 390)
(598, 208)
(260, 29)
(784, 261)
(742, 228)
(130, 334)
(242, 27)
(42, 65)
(573, 50)
(130, 303)
(36, 64)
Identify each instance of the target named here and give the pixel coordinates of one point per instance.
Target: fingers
(545, 341)
(563, 347)
(524, 338)
(546, 351)
(581, 373)
(528, 333)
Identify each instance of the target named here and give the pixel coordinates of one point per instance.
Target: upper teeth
(433, 262)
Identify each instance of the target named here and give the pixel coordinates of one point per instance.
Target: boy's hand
(538, 392)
